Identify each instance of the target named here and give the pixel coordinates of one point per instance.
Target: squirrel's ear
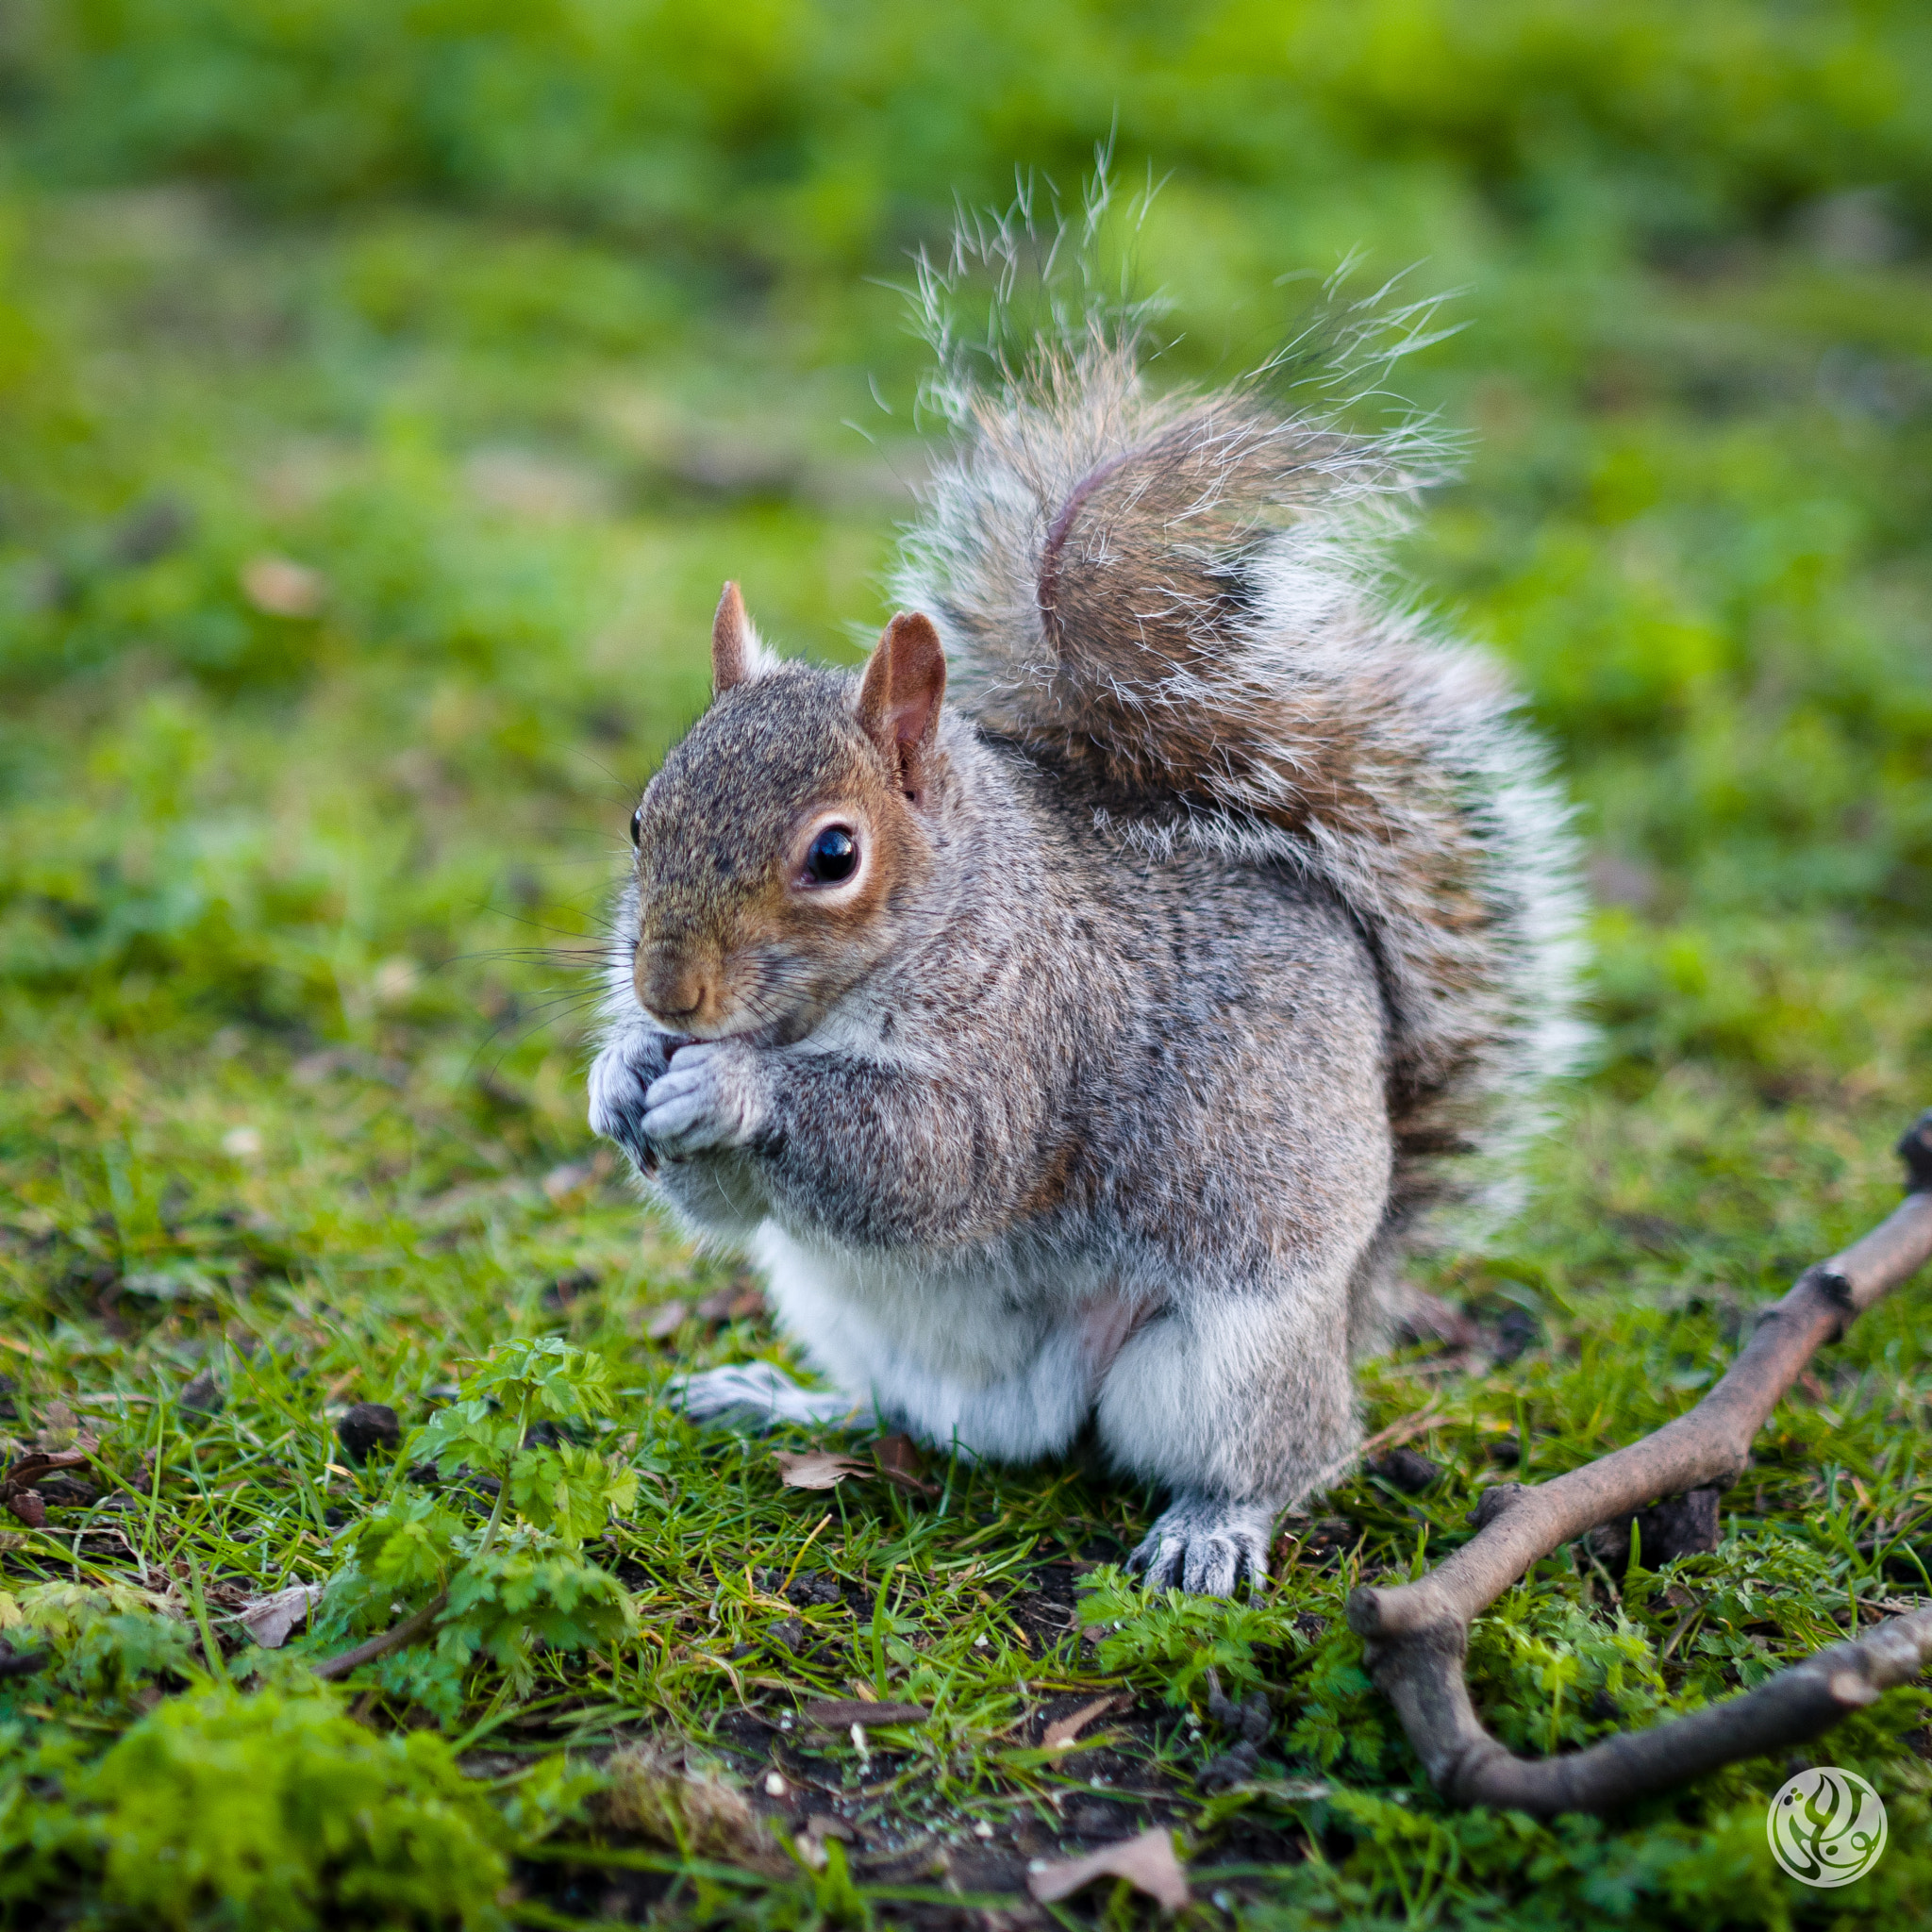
(734, 649)
(899, 700)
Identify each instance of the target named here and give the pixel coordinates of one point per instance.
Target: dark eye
(833, 855)
(636, 826)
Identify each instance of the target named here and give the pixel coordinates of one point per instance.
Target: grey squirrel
(1080, 1012)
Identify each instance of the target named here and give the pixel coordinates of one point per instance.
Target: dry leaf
(270, 1620)
(731, 1303)
(1147, 1864)
(17, 1487)
(39, 1462)
(27, 1507)
(282, 589)
(900, 1463)
(835, 1713)
(1062, 1731)
(666, 1322)
(817, 1469)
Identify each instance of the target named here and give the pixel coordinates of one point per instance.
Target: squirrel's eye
(834, 854)
(636, 826)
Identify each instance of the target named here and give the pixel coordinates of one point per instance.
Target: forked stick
(1417, 1634)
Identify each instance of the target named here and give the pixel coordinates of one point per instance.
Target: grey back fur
(1178, 600)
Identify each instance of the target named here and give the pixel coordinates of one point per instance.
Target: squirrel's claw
(1204, 1546)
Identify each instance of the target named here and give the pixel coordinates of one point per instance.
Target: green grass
(520, 348)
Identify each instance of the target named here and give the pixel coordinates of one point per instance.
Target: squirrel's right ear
(899, 700)
(735, 649)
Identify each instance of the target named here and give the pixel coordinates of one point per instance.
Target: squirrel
(1081, 1012)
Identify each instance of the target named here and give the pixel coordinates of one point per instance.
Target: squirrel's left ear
(899, 700)
(737, 656)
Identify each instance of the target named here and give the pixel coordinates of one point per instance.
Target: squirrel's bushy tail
(1177, 601)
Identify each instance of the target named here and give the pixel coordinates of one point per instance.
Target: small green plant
(1558, 1676)
(226, 1808)
(106, 1641)
(520, 1578)
(1179, 1639)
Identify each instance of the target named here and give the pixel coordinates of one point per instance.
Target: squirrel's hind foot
(760, 1395)
(1206, 1546)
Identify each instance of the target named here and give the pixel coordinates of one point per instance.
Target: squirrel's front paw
(713, 1096)
(620, 1077)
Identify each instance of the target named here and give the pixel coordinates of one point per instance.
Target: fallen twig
(1417, 1634)
(411, 1628)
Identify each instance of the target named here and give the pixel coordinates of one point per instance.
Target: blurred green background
(514, 328)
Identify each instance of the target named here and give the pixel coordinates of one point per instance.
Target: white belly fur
(947, 1355)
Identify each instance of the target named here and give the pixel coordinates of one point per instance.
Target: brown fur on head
(740, 928)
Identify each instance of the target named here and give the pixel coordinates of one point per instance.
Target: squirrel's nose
(668, 987)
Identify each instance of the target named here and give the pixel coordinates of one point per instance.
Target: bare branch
(411, 1628)
(1417, 1634)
